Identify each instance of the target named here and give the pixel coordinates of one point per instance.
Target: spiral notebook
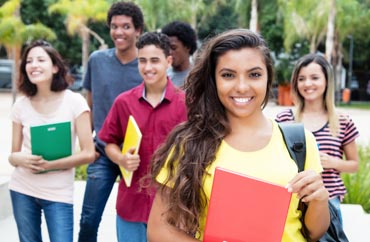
(245, 209)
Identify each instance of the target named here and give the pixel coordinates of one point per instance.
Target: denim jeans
(130, 231)
(27, 212)
(336, 202)
(102, 175)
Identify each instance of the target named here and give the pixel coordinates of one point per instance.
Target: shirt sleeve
(87, 78)
(164, 173)
(350, 132)
(285, 116)
(114, 126)
(79, 105)
(16, 111)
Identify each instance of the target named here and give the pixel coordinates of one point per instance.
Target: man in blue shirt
(109, 73)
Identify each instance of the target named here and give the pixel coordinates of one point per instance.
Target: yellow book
(132, 139)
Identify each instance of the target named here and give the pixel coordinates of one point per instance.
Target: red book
(245, 209)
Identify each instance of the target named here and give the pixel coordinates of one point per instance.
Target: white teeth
(35, 73)
(310, 91)
(242, 100)
(149, 74)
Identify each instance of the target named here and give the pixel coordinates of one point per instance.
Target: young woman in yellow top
(225, 95)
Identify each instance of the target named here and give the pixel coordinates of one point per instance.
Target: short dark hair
(154, 38)
(129, 9)
(61, 79)
(184, 32)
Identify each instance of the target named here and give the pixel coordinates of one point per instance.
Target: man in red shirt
(157, 106)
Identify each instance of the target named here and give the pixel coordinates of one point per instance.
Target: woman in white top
(38, 185)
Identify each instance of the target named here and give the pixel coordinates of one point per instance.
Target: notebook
(51, 141)
(132, 139)
(245, 209)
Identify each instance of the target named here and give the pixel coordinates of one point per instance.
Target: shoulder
(74, 97)
(99, 54)
(285, 115)
(21, 101)
(129, 95)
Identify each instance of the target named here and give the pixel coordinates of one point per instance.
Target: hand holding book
(130, 150)
(131, 160)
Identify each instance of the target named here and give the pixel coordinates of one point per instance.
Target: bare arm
(350, 164)
(89, 102)
(87, 148)
(158, 229)
(129, 161)
(18, 158)
(310, 188)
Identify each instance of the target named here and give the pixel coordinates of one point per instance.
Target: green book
(51, 141)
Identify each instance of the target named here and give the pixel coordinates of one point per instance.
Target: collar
(168, 93)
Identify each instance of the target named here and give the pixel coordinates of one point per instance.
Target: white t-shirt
(54, 185)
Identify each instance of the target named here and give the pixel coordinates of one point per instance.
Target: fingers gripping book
(132, 139)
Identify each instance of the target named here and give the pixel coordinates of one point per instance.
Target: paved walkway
(355, 222)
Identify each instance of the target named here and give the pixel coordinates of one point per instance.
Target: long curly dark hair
(191, 147)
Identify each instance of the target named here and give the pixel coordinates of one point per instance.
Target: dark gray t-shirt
(177, 77)
(106, 77)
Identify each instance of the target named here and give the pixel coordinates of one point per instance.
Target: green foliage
(283, 71)
(271, 25)
(358, 184)
(81, 172)
(70, 46)
(214, 24)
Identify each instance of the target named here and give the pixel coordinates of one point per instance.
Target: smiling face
(39, 66)
(241, 81)
(153, 64)
(311, 82)
(123, 32)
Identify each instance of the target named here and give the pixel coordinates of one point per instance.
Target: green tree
(14, 33)
(300, 24)
(159, 13)
(78, 15)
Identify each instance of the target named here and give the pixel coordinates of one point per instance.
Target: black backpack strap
(295, 140)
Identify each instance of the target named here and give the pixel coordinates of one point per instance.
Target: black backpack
(295, 140)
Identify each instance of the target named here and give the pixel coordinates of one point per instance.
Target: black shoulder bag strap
(295, 140)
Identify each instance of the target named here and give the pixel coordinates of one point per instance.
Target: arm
(89, 102)
(18, 158)
(350, 164)
(87, 148)
(158, 229)
(129, 161)
(311, 190)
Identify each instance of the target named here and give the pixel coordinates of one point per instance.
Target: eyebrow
(249, 70)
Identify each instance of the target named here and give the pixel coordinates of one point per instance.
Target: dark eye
(112, 26)
(227, 75)
(255, 75)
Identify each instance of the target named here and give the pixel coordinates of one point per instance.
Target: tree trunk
(253, 24)
(329, 43)
(85, 48)
(16, 57)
